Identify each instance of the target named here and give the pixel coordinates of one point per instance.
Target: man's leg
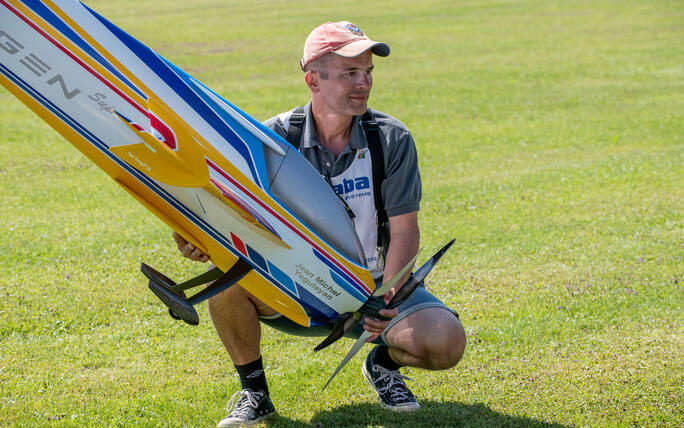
(235, 315)
(431, 338)
(426, 334)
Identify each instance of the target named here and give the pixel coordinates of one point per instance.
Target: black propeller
(376, 302)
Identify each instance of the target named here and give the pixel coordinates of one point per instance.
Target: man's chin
(359, 109)
(359, 103)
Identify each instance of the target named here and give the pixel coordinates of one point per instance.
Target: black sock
(252, 376)
(382, 357)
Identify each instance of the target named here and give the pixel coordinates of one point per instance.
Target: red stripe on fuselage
(74, 57)
(238, 244)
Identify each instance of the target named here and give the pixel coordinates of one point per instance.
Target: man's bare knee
(433, 336)
(449, 350)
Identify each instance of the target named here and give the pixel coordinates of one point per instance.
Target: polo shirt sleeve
(402, 187)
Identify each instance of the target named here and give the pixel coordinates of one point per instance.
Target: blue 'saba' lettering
(348, 185)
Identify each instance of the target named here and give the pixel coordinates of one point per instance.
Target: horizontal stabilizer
(168, 152)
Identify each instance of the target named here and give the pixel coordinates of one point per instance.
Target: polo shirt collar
(357, 139)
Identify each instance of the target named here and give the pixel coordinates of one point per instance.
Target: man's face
(347, 88)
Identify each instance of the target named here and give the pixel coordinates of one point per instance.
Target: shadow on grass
(433, 414)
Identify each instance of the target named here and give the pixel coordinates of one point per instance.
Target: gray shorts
(421, 298)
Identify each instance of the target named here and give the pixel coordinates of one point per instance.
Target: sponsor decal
(99, 98)
(349, 185)
(353, 28)
(319, 285)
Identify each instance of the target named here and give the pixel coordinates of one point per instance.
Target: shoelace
(246, 400)
(394, 383)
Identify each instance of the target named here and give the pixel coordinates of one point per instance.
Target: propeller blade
(417, 277)
(411, 284)
(339, 331)
(349, 322)
(427, 266)
(357, 346)
(390, 283)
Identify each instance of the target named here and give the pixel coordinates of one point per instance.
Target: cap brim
(356, 48)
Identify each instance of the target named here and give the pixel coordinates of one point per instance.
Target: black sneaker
(390, 386)
(250, 408)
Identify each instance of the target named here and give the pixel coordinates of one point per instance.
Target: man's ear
(311, 78)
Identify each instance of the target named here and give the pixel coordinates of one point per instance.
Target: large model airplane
(219, 178)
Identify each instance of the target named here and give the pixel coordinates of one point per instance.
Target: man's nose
(365, 81)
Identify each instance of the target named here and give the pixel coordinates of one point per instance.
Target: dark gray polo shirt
(401, 189)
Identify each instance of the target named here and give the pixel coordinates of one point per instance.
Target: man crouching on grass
(422, 332)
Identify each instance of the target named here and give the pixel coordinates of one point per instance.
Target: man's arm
(404, 243)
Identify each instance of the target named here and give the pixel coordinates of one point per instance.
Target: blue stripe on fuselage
(52, 19)
(165, 73)
(343, 279)
(320, 311)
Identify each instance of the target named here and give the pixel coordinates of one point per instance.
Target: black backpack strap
(370, 128)
(294, 137)
(296, 124)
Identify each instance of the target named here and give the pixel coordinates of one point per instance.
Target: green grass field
(550, 136)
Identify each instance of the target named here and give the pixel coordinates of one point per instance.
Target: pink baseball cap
(342, 38)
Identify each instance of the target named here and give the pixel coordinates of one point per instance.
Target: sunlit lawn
(550, 144)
